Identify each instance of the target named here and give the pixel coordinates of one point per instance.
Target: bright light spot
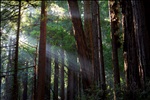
(23, 19)
(56, 10)
(22, 39)
(107, 19)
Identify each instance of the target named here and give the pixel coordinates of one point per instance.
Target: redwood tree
(95, 41)
(42, 54)
(130, 48)
(88, 32)
(142, 35)
(81, 44)
(114, 10)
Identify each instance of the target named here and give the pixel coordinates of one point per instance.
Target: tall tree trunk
(56, 73)
(62, 75)
(42, 55)
(130, 51)
(15, 84)
(114, 10)
(88, 32)
(142, 35)
(101, 58)
(25, 83)
(81, 44)
(95, 41)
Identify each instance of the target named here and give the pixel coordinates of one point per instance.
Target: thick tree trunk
(114, 10)
(15, 84)
(81, 44)
(95, 41)
(42, 55)
(130, 51)
(88, 32)
(142, 35)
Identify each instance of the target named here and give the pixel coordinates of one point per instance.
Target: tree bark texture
(42, 55)
(131, 57)
(114, 10)
(88, 31)
(142, 35)
(81, 44)
(95, 41)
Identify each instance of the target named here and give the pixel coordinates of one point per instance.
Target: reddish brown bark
(42, 55)
(88, 31)
(81, 43)
(130, 51)
(113, 5)
(142, 35)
